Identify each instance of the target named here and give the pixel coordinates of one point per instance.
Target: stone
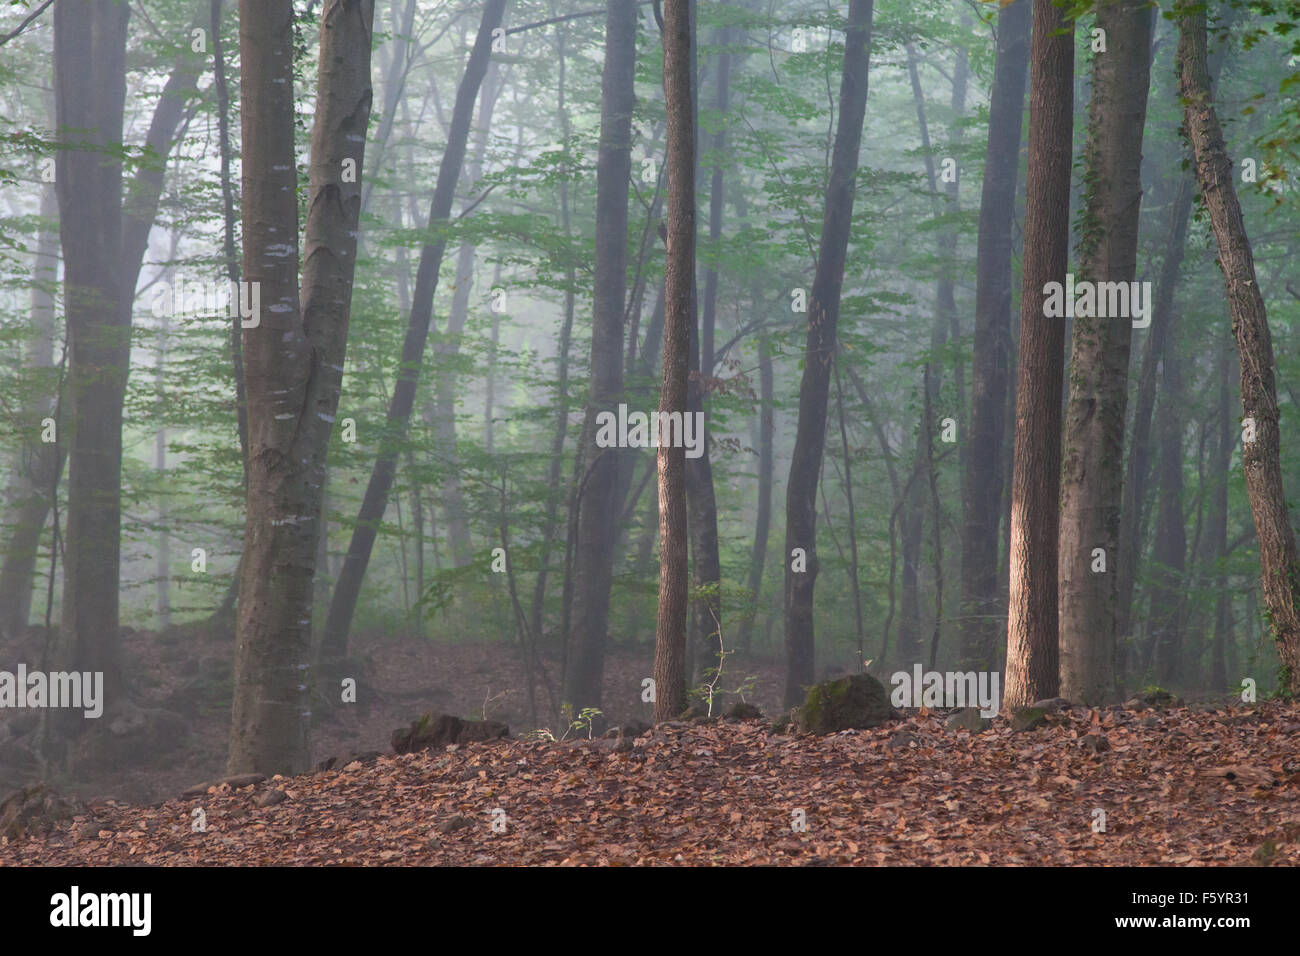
(968, 718)
(432, 732)
(1028, 718)
(855, 702)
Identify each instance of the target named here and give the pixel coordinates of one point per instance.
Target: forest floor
(1211, 784)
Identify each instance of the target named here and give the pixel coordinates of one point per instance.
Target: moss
(855, 702)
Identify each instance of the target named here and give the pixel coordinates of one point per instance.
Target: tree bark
(90, 92)
(1032, 656)
(814, 387)
(598, 509)
(1169, 551)
(343, 605)
(1218, 530)
(766, 469)
(983, 481)
(1261, 458)
(679, 292)
(1093, 468)
(293, 357)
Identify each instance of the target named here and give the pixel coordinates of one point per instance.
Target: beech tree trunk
(1261, 458)
(1093, 468)
(90, 93)
(982, 611)
(344, 603)
(598, 502)
(293, 357)
(819, 352)
(1032, 656)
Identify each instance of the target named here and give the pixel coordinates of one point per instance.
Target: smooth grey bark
(294, 356)
(819, 352)
(984, 478)
(598, 509)
(90, 93)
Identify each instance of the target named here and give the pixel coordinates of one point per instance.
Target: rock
(1051, 705)
(743, 711)
(454, 823)
(271, 798)
(1156, 697)
(1094, 743)
(435, 732)
(902, 740)
(1028, 718)
(855, 702)
(968, 718)
(35, 810)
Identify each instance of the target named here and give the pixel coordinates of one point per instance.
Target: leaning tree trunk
(982, 483)
(1261, 458)
(338, 623)
(1093, 468)
(1032, 658)
(819, 352)
(294, 357)
(90, 93)
(597, 500)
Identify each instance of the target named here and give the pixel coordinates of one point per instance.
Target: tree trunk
(598, 510)
(679, 292)
(343, 606)
(37, 462)
(1169, 552)
(1093, 468)
(983, 481)
(1032, 658)
(90, 92)
(1218, 530)
(766, 460)
(1261, 458)
(293, 357)
(814, 387)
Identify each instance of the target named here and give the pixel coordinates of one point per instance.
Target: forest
(709, 431)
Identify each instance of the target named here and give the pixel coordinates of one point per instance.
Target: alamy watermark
(74, 689)
(1103, 300)
(242, 300)
(656, 430)
(949, 689)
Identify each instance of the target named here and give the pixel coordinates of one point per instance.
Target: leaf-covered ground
(1178, 786)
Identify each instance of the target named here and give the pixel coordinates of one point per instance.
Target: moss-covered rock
(1028, 718)
(855, 702)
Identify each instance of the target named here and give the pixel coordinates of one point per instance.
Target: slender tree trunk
(814, 387)
(28, 493)
(1093, 468)
(343, 605)
(293, 357)
(90, 92)
(1032, 657)
(1218, 531)
(766, 468)
(598, 508)
(1261, 458)
(984, 477)
(1169, 553)
(679, 291)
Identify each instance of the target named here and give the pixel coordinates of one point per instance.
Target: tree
(90, 93)
(338, 623)
(1093, 468)
(982, 482)
(819, 353)
(679, 292)
(293, 358)
(598, 504)
(1032, 657)
(1261, 458)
